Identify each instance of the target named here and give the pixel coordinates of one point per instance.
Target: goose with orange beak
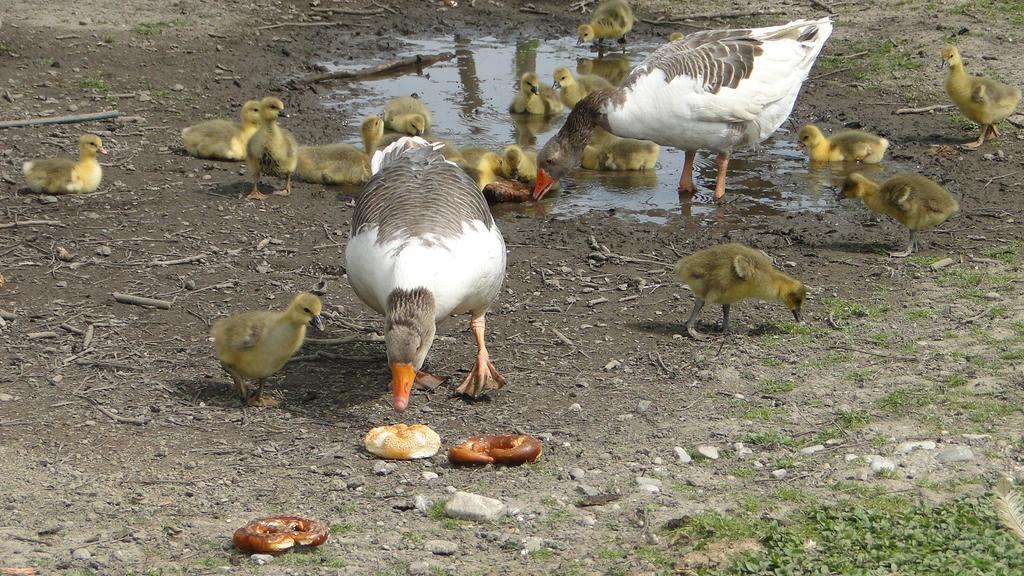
(713, 90)
(424, 247)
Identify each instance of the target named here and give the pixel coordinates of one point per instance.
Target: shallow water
(469, 97)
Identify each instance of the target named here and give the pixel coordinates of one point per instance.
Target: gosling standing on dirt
(912, 200)
(728, 273)
(257, 344)
(64, 175)
(983, 100)
(271, 150)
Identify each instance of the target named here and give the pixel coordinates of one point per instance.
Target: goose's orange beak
(402, 377)
(544, 183)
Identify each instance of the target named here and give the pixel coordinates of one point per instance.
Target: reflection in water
(832, 174)
(613, 68)
(469, 98)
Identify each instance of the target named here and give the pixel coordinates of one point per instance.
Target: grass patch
(764, 413)
(769, 439)
(153, 28)
(887, 536)
(1005, 253)
(899, 401)
(342, 528)
(920, 314)
(97, 84)
(773, 387)
(840, 309)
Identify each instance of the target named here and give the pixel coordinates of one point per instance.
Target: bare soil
(122, 443)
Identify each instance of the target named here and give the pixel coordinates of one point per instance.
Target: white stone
(780, 473)
(709, 452)
(682, 454)
(428, 475)
(421, 502)
(650, 488)
(420, 568)
(645, 481)
(81, 554)
(575, 407)
(955, 453)
(807, 451)
(468, 506)
(850, 457)
(880, 463)
(261, 559)
(643, 406)
(441, 547)
(6, 397)
(910, 446)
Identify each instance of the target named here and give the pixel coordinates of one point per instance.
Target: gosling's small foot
(283, 192)
(902, 253)
(482, 378)
(262, 401)
(256, 195)
(427, 381)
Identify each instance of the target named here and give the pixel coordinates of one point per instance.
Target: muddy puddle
(469, 97)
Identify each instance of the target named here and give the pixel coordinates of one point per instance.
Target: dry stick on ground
(350, 11)
(87, 339)
(9, 316)
(185, 260)
(73, 119)
(924, 109)
(830, 73)
(532, 10)
(33, 223)
(140, 300)
(283, 24)
(419, 60)
(115, 417)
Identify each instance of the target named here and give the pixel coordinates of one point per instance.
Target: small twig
(32, 223)
(350, 11)
(829, 73)
(41, 335)
(532, 10)
(994, 178)
(563, 337)
(140, 300)
(184, 260)
(72, 329)
(301, 24)
(9, 316)
(347, 339)
(977, 316)
(418, 61)
(87, 339)
(924, 109)
(73, 119)
(115, 417)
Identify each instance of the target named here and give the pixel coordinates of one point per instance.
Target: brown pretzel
(279, 533)
(510, 450)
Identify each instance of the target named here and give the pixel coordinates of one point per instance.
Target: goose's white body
(463, 265)
(683, 113)
(463, 273)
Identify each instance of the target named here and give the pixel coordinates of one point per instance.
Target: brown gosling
(257, 344)
(222, 139)
(983, 100)
(914, 201)
(271, 150)
(845, 146)
(64, 175)
(728, 273)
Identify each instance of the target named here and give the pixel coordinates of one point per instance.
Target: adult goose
(712, 90)
(423, 247)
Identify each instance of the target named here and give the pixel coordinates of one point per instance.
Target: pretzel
(510, 450)
(401, 442)
(279, 533)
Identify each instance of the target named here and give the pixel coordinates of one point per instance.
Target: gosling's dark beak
(557, 85)
(799, 145)
(796, 314)
(579, 41)
(513, 174)
(535, 89)
(317, 322)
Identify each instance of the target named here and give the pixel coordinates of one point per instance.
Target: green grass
(883, 537)
(153, 28)
(97, 84)
(764, 413)
(771, 438)
(1005, 253)
(840, 309)
(342, 528)
(902, 400)
(920, 313)
(773, 387)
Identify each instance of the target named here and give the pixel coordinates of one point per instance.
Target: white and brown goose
(712, 90)
(424, 246)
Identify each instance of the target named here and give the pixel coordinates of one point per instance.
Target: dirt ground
(124, 451)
